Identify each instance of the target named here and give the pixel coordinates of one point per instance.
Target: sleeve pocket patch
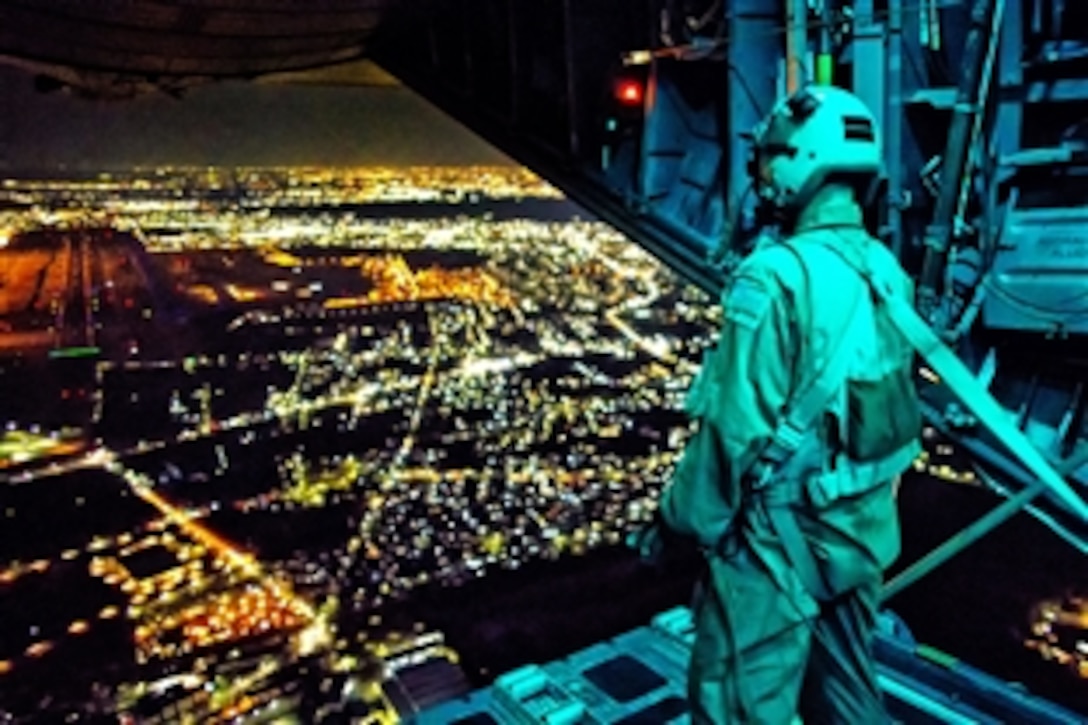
(747, 303)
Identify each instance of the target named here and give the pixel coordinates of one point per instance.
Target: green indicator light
(67, 352)
(936, 656)
(824, 70)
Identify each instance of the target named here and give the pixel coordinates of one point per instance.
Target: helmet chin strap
(767, 213)
(772, 212)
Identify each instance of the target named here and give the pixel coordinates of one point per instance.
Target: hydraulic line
(939, 234)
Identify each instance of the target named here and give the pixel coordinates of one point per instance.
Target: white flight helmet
(818, 133)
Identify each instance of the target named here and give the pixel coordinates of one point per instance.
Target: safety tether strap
(777, 492)
(970, 391)
(810, 403)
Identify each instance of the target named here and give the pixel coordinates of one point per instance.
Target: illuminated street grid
(424, 400)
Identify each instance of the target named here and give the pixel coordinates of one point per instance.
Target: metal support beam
(1058, 10)
(961, 540)
(1062, 90)
(1010, 112)
(868, 68)
(939, 236)
(570, 68)
(972, 533)
(893, 125)
(977, 136)
(751, 57)
(991, 456)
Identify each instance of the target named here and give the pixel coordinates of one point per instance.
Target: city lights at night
(442, 396)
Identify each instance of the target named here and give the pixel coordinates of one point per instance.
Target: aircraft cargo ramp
(638, 678)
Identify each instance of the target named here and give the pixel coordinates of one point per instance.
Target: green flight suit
(766, 650)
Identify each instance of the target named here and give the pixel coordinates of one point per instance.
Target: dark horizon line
(7, 170)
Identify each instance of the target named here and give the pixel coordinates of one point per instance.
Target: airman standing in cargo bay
(807, 415)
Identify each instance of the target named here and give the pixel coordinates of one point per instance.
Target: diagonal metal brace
(961, 540)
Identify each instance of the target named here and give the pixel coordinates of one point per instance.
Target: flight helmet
(817, 135)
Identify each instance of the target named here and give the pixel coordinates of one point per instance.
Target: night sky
(300, 121)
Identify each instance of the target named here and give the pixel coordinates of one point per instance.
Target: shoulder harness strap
(778, 494)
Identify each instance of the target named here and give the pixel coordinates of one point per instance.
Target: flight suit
(766, 649)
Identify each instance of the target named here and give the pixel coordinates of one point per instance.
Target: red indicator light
(629, 92)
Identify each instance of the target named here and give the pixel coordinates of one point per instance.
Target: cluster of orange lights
(233, 615)
(396, 282)
(250, 610)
